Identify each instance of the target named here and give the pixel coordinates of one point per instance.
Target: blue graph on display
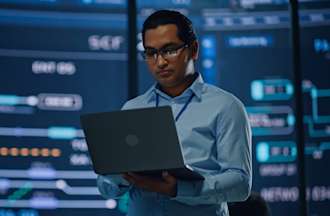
(58, 59)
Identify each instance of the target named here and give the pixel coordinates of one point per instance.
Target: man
(212, 126)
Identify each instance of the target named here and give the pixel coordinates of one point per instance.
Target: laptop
(144, 141)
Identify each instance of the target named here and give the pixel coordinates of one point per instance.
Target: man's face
(169, 72)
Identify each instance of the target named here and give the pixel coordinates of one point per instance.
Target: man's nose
(161, 61)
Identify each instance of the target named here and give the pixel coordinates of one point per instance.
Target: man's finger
(136, 176)
(139, 181)
(129, 178)
(168, 177)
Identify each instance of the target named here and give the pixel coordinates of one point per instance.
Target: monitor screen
(58, 59)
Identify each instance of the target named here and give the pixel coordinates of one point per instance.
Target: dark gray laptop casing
(140, 140)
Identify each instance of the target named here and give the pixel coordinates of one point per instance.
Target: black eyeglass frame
(163, 52)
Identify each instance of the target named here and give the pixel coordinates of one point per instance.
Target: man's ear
(194, 50)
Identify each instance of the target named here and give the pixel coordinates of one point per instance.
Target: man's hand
(166, 185)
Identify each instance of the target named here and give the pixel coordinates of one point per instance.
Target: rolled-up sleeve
(233, 149)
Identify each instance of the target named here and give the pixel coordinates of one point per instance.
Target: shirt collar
(196, 87)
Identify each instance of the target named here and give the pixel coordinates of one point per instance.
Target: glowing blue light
(291, 120)
(9, 99)
(262, 152)
(62, 133)
(257, 92)
(289, 89)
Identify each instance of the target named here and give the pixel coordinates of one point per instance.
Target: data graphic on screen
(315, 65)
(245, 48)
(58, 59)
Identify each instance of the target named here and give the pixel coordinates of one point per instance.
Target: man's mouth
(164, 73)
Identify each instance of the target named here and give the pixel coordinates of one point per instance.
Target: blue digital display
(62, 58)
(245, 49)
(58, 59)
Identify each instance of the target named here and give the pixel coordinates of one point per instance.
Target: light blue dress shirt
(215, 138)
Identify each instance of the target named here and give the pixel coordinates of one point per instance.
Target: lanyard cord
(183, 108)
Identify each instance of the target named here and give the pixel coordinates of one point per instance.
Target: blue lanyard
(183, 108)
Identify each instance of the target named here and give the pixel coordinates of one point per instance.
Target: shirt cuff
(187, 189)
(111, 186)
(116, 179)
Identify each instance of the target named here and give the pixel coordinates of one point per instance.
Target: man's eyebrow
(164, 46)
(150, 48)
(169, 45)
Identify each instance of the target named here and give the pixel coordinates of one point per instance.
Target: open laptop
(139, 140)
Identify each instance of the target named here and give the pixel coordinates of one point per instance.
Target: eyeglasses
(168, 53)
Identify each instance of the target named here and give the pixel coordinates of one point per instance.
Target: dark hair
(255, 205)
(186, 32)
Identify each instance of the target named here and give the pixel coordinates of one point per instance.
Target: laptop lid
(132, 140)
